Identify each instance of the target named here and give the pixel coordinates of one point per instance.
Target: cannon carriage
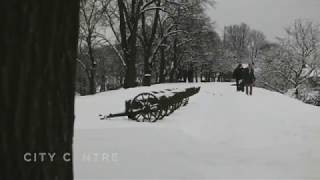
(155, 105)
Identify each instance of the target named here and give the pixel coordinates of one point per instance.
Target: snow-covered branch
(285, 76)
(273, 88)
(114, 48)
(83, 66)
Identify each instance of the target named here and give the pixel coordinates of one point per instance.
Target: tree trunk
(103, 83)
(130, 75)
(297, 92)
(148, 43)
(83, 86)
(162, 77)
(131, 72)
(37, 75)
(92, 79)
(171, 75)
(196, 75)
(174, 60)
(92, 82)
(129, 44)
(147, 68)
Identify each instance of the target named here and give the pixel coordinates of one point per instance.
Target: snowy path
(220, 134)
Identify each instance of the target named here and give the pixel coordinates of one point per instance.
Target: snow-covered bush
(312, 97)
(291, 65)
(307, 95)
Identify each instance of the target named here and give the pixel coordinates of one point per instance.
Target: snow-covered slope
(219, 134)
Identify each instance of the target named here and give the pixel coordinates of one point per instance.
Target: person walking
(249, 79)
(237, 75)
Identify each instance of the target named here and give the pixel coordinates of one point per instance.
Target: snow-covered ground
(219, 134)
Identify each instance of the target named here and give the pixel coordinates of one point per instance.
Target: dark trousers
(238, 84)
(249, 89)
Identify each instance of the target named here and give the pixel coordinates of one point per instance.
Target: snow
(315, 73)
(219, 134)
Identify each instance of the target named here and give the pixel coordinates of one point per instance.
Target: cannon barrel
(117, 115)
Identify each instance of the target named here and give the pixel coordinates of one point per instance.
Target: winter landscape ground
(220, 134)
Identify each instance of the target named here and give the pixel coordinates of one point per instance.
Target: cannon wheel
(163, 111)
(170, 109)
(148, 108)
(177, 105)
(185, 101)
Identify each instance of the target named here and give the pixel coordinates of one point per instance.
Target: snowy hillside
(219, 134)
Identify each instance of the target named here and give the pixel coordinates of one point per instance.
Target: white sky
(268, 16)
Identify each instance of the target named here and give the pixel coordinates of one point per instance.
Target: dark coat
(248, 76)
(237, 73)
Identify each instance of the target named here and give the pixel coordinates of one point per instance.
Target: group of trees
(293, 61)
(148, 41)
(241, 44)
(40, 39)
(141, 42)
(291, 64)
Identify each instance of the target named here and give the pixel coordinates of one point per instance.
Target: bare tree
(168, 27)
(158, 23)
(147, 38)
(129, 15)
(236, 40)
(257, 40)
(153, 26)
(91, 16)
(297, 55)
(195, 48)
(301, 51)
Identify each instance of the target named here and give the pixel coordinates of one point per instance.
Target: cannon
(155, 105)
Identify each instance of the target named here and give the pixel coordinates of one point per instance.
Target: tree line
(288, 65)
(139, 42)
(41, 47)
(292, 64)
(142, 42)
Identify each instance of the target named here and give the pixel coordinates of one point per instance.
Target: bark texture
(37, 71)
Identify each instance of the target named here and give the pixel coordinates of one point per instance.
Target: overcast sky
(268, 16)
